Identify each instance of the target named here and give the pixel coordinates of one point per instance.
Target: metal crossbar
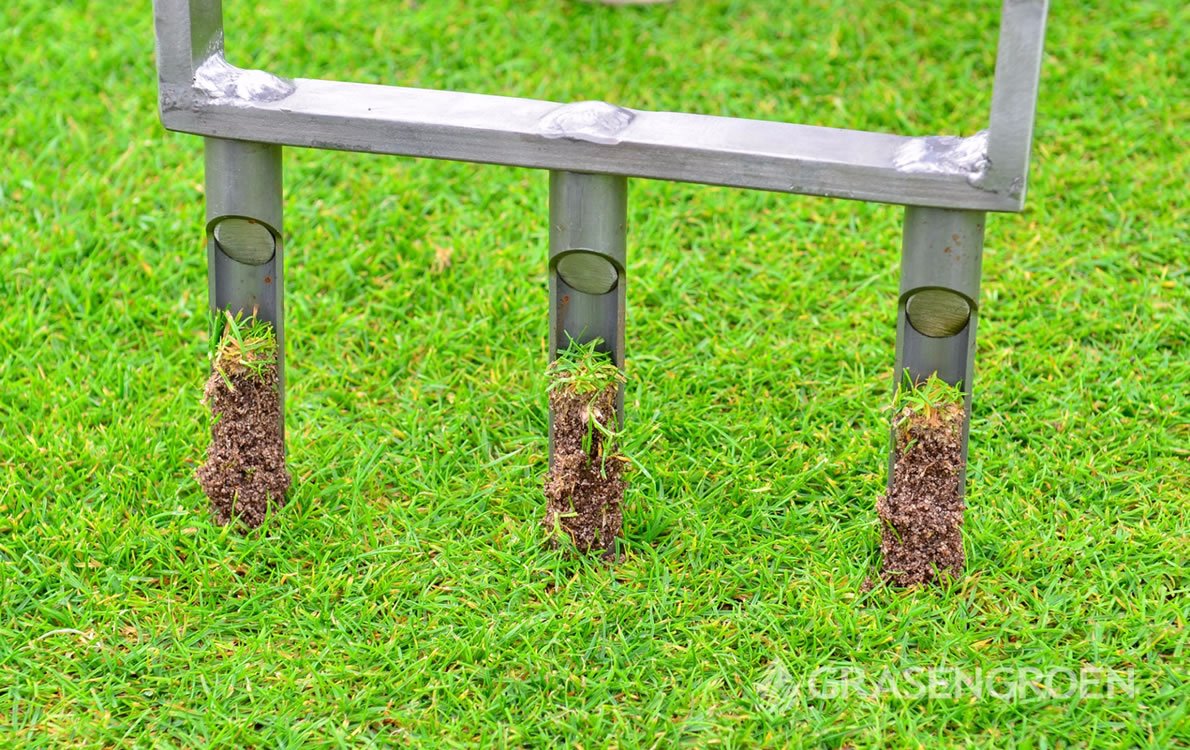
(202, 93)
(947, 183)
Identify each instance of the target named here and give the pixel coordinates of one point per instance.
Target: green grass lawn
(404, 595)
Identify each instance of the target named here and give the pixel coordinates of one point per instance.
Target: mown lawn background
(404, 596)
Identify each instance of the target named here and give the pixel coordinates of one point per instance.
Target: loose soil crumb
(244, 475)
(922, 515)
(585, 488)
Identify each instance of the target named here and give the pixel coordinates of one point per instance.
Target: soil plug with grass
(585, 485)
(922, 514)
(244, 475)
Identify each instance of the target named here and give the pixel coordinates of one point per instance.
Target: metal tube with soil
(245, 474)
(588, 248)
(922, 512)
(244, 233)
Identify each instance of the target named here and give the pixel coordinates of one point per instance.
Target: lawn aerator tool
(947, 183)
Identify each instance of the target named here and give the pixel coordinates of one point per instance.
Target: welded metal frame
(947, 183)
(202, 93)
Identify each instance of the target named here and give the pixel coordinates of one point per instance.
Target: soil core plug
(922, 514)
(585, 486)
(244, 475)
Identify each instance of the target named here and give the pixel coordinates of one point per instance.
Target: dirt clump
(585, 485)
(245, 475)
(922, 514)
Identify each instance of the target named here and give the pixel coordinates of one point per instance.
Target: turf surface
(404, 596)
